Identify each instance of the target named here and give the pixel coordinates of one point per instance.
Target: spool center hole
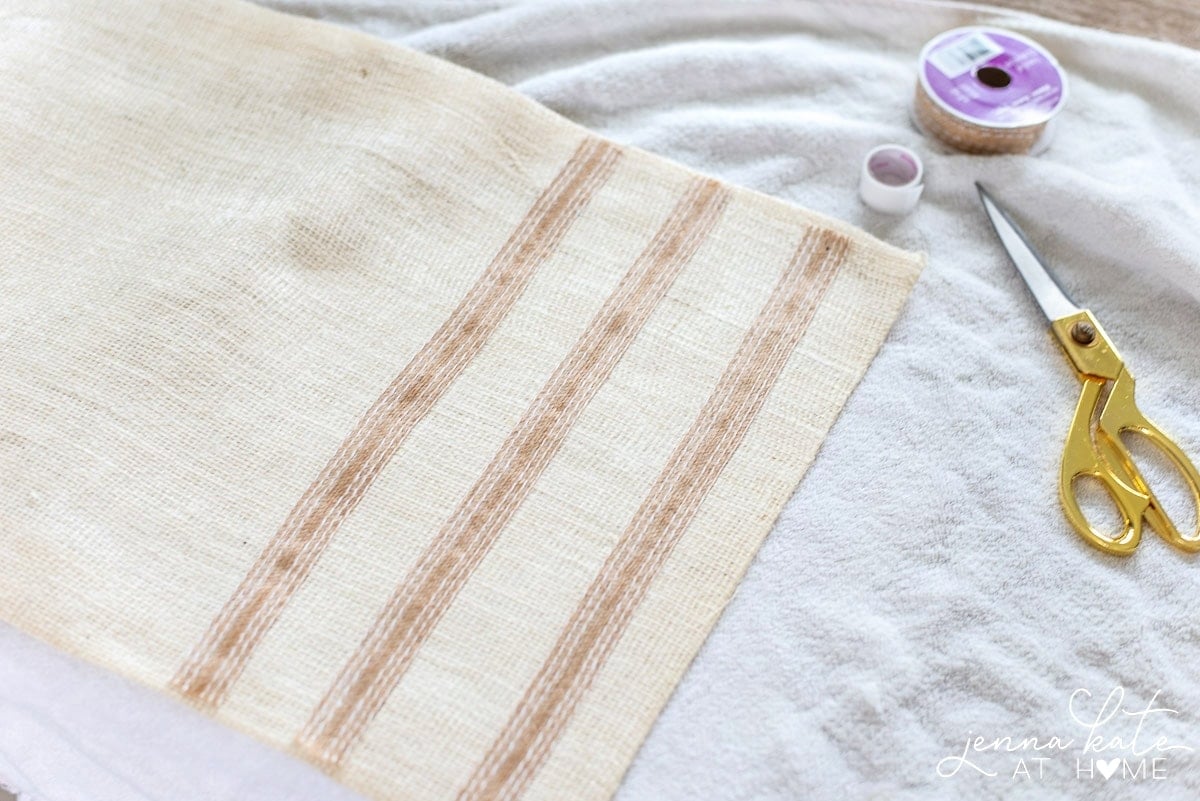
(893, 167)
(993, 77)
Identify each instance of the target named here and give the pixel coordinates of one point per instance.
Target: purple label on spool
(992, 77)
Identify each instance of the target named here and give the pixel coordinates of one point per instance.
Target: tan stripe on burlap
(222, 654)
(602, 616)
(421, 600)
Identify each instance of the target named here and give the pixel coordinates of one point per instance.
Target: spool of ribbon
(890, 180)
(988, 90)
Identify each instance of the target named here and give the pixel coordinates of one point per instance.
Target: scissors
(1106, 409)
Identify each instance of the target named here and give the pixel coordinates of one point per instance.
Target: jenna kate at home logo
(1113, 739)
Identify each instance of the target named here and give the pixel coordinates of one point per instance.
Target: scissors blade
(1055, 305)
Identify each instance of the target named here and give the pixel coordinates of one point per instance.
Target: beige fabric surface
(380, 412)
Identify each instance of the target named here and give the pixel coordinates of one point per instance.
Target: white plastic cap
(891, 179)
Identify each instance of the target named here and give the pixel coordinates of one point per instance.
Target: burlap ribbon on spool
(969, 137)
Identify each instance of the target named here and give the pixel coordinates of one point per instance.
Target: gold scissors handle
(1094, 448)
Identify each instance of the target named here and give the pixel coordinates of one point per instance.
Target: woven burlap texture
(284, 310)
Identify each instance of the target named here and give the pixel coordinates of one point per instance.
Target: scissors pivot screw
(1083, 332)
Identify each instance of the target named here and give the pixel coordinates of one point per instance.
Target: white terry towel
(922, 584)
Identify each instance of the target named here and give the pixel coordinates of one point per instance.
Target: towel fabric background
(922, 583)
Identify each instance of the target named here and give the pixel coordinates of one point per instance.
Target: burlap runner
(379, 411)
